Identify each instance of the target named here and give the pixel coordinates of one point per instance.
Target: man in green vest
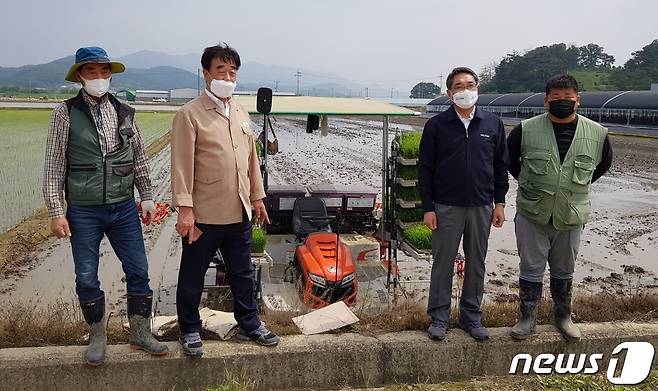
(555, 157)
(95, 156)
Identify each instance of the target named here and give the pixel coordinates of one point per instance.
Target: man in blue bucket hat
(94, 158)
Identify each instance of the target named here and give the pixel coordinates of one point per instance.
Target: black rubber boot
(139, 317)
(561, 293)
(529, 296)
(94, 314)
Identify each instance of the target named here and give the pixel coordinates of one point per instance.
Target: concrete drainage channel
(309, 362)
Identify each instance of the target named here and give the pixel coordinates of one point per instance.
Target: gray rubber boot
(561, 292)
(529, 295)
(94, 314)
(139, 317)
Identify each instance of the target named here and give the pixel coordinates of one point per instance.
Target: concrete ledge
(319, 362)
(414, 360)
(299, 361)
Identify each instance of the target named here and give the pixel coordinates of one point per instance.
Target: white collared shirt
(224, 107)
(466, 120)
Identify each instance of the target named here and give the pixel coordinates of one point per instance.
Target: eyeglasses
(461, 87)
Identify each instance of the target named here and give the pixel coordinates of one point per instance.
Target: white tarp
(220, 323)
(331, 317)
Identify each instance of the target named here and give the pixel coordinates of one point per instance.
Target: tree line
(528, 72)
(590, 64)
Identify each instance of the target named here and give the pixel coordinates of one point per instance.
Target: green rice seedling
(22, 152)
(259, 148)
(408, 172)
(410, 194)
(409, 215)
(259, 240)
(409, 143)
(153, 125)
(419, 236)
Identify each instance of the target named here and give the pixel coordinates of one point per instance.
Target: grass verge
(523, 383)
(32, 324)
(492, 383)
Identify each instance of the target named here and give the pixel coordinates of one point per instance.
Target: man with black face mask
(555, 157)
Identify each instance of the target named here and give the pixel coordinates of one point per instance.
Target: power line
(298, 75)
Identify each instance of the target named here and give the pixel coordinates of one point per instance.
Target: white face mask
(96, 87)
(222, 88)
(465, 99)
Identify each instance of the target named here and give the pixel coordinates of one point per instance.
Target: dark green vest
(91, 178)
(550, 188)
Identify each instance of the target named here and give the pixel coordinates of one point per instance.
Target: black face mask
(562, 108)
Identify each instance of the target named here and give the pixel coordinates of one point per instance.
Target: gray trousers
(474, 224)
(541, 244)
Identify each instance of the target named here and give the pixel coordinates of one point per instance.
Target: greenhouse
(614, 107)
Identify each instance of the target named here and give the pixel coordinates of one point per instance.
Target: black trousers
(234, 242)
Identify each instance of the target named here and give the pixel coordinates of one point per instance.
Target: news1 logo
(630, 363)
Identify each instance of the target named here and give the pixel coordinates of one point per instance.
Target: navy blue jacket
(459, 167)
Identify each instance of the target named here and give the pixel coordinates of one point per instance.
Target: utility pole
(276, 86)
(366, 92)
(391, 92)
(298, 75)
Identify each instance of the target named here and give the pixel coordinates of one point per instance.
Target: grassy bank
(25, 324)
(524, 383)
(502, 383)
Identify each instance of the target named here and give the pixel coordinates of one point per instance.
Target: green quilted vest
(91, 178)
(550, 188)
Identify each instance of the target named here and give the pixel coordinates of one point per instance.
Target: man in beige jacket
(216, 181)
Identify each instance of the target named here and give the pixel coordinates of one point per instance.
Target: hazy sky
(390, 42)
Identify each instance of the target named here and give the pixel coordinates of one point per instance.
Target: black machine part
(264, 106)
(264, 100)
(309, 215)
(312, 123)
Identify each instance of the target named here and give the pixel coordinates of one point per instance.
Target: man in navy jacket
(462, 172)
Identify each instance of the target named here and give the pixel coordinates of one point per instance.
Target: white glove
(148, 211)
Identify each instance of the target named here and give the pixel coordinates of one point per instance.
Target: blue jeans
(120, 222)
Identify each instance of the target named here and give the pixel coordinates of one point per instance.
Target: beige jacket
(214, 165)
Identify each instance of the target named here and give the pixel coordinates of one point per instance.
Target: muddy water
(619, 248)
(51, 276)
(54, 277)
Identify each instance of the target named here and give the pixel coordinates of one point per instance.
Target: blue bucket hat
(90, 55)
